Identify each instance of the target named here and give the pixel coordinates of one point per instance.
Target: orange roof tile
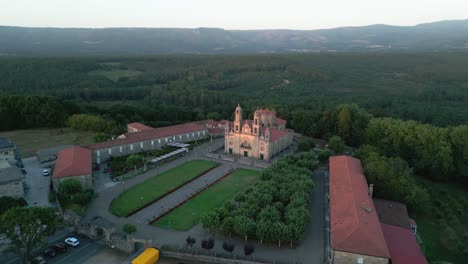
(74, 161)
(148, 135)
(139, 126)
(402, 245)
(355, 226)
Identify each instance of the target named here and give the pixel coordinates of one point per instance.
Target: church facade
(261, 138)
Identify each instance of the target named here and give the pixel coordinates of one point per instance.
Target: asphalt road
(74, 255)
(37, 192)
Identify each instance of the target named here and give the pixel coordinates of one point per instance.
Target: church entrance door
(230, 151)
(246, 154)
(261, 156)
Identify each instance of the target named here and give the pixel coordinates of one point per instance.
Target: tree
(7, 202)
(227, 227)
(249, 249)
(336, 144)
(229, 247)
(133, 160)
(69, 187)
(306, 144)
(129, 228)
(244, 226)
(190, 241)
(26, 227)
(100, 137)
(210, 220)
(208, 244)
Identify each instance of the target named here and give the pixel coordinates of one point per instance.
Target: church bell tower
(238, 119)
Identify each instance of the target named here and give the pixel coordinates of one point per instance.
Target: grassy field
(155, 187)
(443, 228)
(188, 215)
(31, 140)
(114, 75)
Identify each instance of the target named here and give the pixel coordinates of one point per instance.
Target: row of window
(165, 140)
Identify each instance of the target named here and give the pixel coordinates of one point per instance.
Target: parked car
(45, 172)
(60, 247)
(106, 170)
(39, 260)
(97, 167)
(72, 241)
(50, 252)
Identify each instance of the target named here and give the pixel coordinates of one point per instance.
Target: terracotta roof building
(74, 162)
(356, 234)
(366, 230)
(146, 139)
(137, 127)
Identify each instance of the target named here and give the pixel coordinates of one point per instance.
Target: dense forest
(160, 90)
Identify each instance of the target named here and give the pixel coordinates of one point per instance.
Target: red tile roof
(139, 126)
(402, 245)
(280, 121)
(355, 226)
(149, 134)
(277, 134)
(392, 213)
(74, 161)
(216, 131)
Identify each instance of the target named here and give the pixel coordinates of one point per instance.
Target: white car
(45, 172)
(72, 241)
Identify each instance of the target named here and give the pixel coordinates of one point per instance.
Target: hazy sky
(232, 14)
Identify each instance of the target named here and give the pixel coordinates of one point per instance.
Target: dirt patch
(29, 141)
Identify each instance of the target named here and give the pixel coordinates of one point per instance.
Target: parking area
(37, 185)
(73, 255)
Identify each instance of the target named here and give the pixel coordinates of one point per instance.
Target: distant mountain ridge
(451, 35)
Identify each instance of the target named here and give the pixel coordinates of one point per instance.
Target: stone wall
(85, 180)
(204, 259)
(339, 257)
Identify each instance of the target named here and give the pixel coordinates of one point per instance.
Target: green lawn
(155, 187)
(443, 228)
(187, 215)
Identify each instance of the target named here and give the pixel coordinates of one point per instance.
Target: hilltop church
(261, 138)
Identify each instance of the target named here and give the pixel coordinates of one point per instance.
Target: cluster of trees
(18, 112)
(7, 202)
(392, 178)
(348, 121)
(71, 190)
(89, 122)
(433, 152)
(275, 208)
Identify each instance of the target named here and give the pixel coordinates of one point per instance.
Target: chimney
(371, 189)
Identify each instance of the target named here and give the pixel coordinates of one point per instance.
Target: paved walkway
(171, 201)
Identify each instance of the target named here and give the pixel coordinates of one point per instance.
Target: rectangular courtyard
(154, 188)
(188, 214)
